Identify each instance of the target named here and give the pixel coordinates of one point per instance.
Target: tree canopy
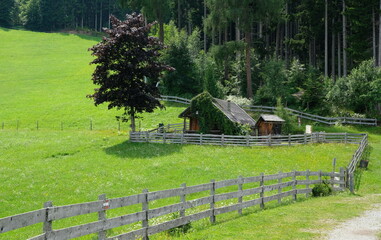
(124, 60)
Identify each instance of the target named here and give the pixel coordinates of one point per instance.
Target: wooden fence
(218, 197)
(357, 156)
(249, 141)
(312, 117)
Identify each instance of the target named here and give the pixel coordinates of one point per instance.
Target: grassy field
(45, 77)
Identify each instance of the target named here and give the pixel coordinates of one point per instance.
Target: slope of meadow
(45, 77)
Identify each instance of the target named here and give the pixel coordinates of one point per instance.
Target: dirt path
(365, 227)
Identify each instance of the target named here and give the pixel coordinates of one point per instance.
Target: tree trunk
(339, 55)
(109, 14)
(226, 35)
(379, 38)
(345, 69)
(286, 37)
(237, 38)
(133, 126)
(374, 37)
(249, 89)
(161, 31)
(161, 25)
(96, 21)
(83, 6)
(333, 52)
(100, 19)
(260, 29)
(204, 27)
(277, 41)
(326, 40)
(310, 52)
(179, 14)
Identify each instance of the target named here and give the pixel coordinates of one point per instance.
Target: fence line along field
(286, 185)
(50, 213)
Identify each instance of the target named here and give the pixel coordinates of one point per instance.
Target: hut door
(193, 125)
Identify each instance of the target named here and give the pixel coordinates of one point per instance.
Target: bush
(290, 124)
(322, 189)
(177, 231)
(239, 100)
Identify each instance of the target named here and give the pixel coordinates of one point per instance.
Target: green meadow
(45, 77)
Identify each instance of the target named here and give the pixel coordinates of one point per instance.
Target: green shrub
(177, 231)
(322, 189)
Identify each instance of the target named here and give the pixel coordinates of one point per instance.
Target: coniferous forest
(318, 56)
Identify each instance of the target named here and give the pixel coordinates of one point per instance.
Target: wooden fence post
(183, 199)
(212, 193)
(305, 138)
(346, 138)
(247, 140)
(240, 189)
(351, 182)
(294, 185)
(145, 210)
(289, 139)
(147, 136)
(307, 179)
(47, 227)
(223, 139)
(280, 188)
(102, 235)
(342, 175)
(262, 193)
(269, 140)
(200, 138)
(182, 138)
(165, 137)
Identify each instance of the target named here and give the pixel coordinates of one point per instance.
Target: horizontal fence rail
(218, 197)
(249, 141)
(352, 166)
(308, 116)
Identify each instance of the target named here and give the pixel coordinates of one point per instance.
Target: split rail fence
(316, 118)
(236, 140)
(218, 197)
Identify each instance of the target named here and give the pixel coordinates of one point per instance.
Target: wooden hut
(225, 111)
(269, 124)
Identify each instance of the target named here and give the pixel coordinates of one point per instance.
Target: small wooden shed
(226, 111)
(269, 124)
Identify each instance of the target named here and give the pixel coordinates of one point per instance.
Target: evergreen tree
(6, 8)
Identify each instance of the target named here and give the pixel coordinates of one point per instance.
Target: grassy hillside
(46, 77)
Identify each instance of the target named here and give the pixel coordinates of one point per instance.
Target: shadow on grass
(129, 149)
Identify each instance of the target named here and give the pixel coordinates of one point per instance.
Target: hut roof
(234, 112)
(270, 118)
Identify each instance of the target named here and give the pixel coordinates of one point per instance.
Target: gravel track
(364, 227)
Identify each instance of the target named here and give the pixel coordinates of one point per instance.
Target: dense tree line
(52, 15)
(246, 48)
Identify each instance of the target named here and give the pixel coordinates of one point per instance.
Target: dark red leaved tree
(124, 60)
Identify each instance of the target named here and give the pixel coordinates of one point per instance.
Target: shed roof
(270, 118)
(235, 113)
